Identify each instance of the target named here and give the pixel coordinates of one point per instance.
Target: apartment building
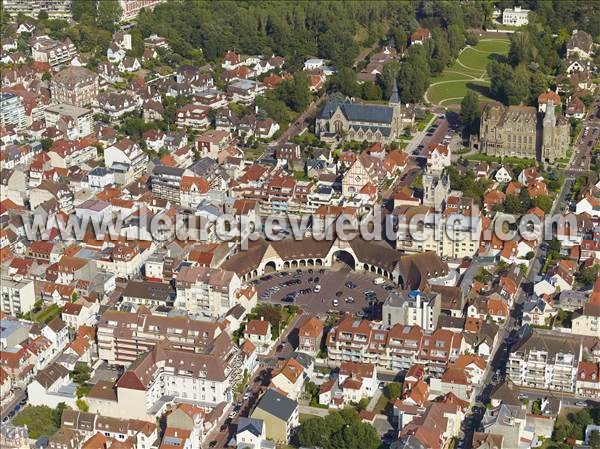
(131, 8)
(12, 111)
(455, 233)
(18, 294)
(124, 336)
(414, 308)
(52, 51)
(59, 9)
(546, 361)
(395, 348)
(211, 291)
(75, 86)
(167, 374)
(74, 121)
(150, 294)
(127, 158)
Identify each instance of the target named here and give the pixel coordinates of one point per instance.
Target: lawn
(467, 73)
(46, 315)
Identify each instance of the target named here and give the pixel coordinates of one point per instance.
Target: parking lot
(326, 290)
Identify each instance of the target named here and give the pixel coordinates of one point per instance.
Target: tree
(594, 441)
(393, 390)
(344, 81)
(469, 113)
(40, 420)
(46, 143)
(362, 404)
(588, 275)
(108, 15)
(81, 374)
(370, 91)
(47, 76)
(43, 15)
(339, 430)
(84, 12)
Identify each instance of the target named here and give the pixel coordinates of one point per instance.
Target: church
(359, 121)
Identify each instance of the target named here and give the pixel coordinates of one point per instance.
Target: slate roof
(356, 112)
(277, 405)
(251, 425)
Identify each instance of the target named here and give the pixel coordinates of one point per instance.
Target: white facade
(12, 111)
(18, 295)
(75, 121)
(515, 16)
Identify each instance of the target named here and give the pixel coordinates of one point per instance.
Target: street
(508, 333)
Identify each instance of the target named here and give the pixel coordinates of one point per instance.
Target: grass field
(467, 73)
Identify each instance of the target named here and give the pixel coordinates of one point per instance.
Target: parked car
(335, 302)
(317, 288)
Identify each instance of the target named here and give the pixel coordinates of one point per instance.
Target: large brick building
(523, 132)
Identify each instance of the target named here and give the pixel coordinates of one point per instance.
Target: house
(354, 382)
(289, 378)
(251, 434)
(259, 333)
(129, 65)
(580, 45)
(575, 109)
(516, 16)
(587, 383)
(503, 175)
(419, 36)
(52, 386)
(439, 158)
(310, 334)
(279, 414)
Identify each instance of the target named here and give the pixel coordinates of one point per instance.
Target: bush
(471, 39)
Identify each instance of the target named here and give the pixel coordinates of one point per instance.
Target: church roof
(356, 112)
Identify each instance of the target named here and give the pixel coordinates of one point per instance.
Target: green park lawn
(467, 73)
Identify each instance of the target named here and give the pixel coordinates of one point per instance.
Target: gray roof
(251, 425)
(356, 112)
(552, 344)
(408, 442)
(277, 405)
(303, 359)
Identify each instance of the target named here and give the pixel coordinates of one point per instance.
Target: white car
(317, 288)
(335, 303)
(379, 281)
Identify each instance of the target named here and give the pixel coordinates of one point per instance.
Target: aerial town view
(316, 224)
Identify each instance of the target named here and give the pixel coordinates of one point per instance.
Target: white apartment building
(545, 361)
(55, 8)
(124, 336)
(12, 111)
(413, 308)
(52, 51)
(128, 155)
(168, 374)
(516, 16)
(453, 235)
(131, 8)
(76, 122)
(18, 294)
(211, 291)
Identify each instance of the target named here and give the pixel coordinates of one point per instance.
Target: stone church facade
(357, 121)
